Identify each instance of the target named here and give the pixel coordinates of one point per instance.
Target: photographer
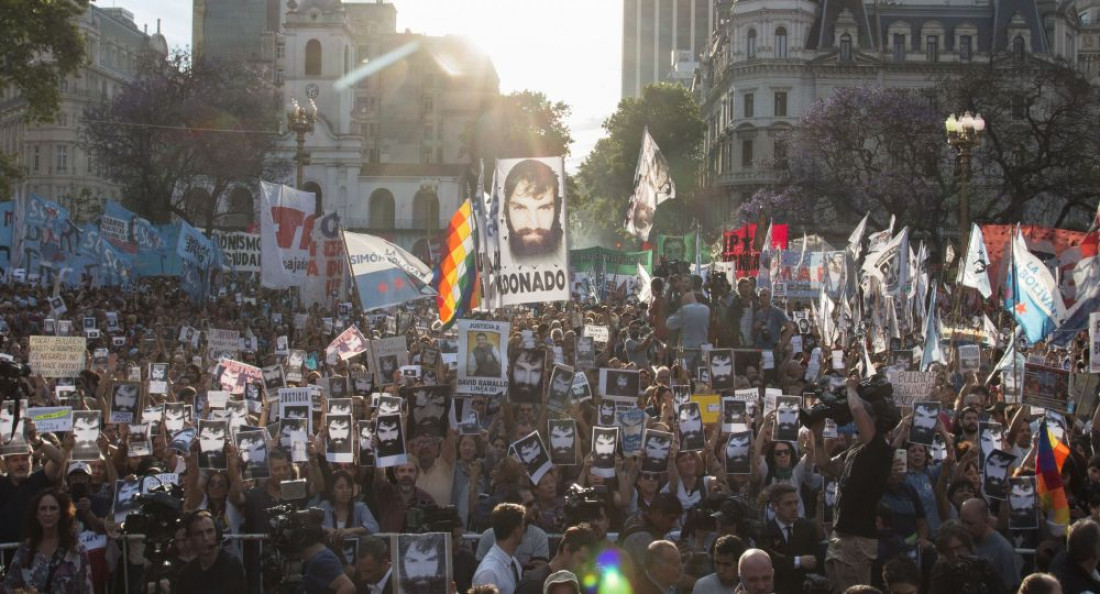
(862, 472)
(214, 570)
(322, 570)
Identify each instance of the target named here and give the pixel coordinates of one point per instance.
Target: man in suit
(790, 541)
(372, 568)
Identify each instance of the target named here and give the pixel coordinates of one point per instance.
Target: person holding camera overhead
(862, 471)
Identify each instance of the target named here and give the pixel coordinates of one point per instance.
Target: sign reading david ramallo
(57, 356)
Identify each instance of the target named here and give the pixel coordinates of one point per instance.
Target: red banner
(738, 246)
(1045, 242)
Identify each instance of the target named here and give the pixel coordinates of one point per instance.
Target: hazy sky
(568, 49)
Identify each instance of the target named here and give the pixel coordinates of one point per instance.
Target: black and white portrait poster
(631, 422)
(989, 439)
(738, 447)
(526, 375)
(620, 384)
(158, 378)
(390, 405)
(691, 428)
(995, 474)
(429, 408)
(252, 446)
(925, 416)
(656, 446)
(138, 441)
(733, 414)
(296, 403)
(176, 416)
(126, 493)
(212, 436)
(532, 452)
(1023, 503)
(290, 431)
(581, 390)
(604, 442)
(86, 434)
(421, 563)
(560, 387)
(532, 223)
(605, 413)
(391, 441)
(563, 441)
(482, 357)
(720, 364)
(388, 356)
(294, 362)
(830, 490)
(786, 418)
(273, 378)
(181, 440)
(585, 353)
(339, 406)
(125, 402)
(254, 397)
(366, 442)
(339, 447)
(348, 344)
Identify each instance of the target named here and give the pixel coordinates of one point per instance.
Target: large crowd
(833, 505)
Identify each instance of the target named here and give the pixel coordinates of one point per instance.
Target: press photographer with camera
(298, 534)
(861, 472)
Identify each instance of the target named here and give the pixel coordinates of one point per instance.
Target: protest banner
(910, 386)
(51, 418)
(57, 356)
(236, 375)
(482, 357)
(1046, 387)
(241, 250)
(222, 344)
(970, 358)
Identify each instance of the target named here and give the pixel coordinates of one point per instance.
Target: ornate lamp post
(300, 121)
(963, 134)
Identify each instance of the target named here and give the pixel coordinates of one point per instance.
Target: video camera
(431, 518)
(583, 504)
(833, 404)
(158, 514)
(291, 530)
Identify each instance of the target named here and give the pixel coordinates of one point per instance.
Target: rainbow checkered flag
(456, 279)
(1051, 456)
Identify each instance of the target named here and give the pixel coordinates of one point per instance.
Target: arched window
(381, 211)
(751, 46)
(313, 58)
(781, 42)
(240, 201)
(846, 48)
(1018, 49)
(318, 197)
(426, 210)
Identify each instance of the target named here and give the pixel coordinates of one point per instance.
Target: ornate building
(55, 165)
(769, 60)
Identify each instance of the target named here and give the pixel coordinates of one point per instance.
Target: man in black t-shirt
(214, 570)
(862, 470)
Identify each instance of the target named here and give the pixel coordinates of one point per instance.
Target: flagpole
(958, 298)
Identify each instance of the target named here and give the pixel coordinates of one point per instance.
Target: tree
(607, 175)
(520, 124)
(181, 127)
(40, 45)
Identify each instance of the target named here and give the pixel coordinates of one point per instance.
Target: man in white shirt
(499, 567)
(693, 321)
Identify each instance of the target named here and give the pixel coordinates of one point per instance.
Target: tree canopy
(520, 124)
(183, 126)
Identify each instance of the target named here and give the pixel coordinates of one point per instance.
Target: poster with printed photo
(366, 442)
(421, 562)
(720, 365)
(692, 438)
(252, 446)
(786, 418)
(348, 344)
(482, 357)
(531, 219)
(925, 416)
(391, 441)
(125, 503)
(294, 362)
(236, 375)
(181, 441)
(389, 356)
(339, 447)
(996, 474)
(581, 390)
(158, 378)
(563, 441)
(738, 449)
(620, 384)
(428, 409)
(1023, 503)
(631, 422)
(990, 438)
(273, 378)
(604, 443)
(296, 403)
(585, 353)
(526, 375)
(733, 414)
(559, 389)
(86, 435)
(176, 415)
(138, 441)
(125, 402)
(212, 436)
(532, 452)
(656, 447)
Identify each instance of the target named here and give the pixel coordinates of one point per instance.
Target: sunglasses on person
(782, 452)
(651, 476)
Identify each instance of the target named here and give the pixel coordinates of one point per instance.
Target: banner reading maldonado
(534, 260)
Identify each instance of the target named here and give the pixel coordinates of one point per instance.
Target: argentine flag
(1031, 294)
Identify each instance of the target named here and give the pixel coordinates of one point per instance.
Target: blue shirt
(319, 572)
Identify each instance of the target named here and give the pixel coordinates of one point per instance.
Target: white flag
(645, 293)
(856, 238)
(652, 186)
(763, 270)
(974, 269)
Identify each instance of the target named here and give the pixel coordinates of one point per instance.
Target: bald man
(757, 574)
(663, 569)
(989, 544)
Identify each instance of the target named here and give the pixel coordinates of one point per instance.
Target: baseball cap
(79, 467)
(561, 577)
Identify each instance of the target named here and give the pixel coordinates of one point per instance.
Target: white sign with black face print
(720, 365)
(995, 474)
(620, 384)
(925, 416)
(604, 443)
(176, 415)
(252, 446)
(212, 436)
(390, 436)
(296, 403)
(656, 446)
(690, 418)
(86, 435)
(421, 562)
(786, 418)
(125, 402)
(560, 387)
(534, 456)
(989, 439)
(340, 445)
(738, 449)
(158, 378)
(1023, 503)
(733, 414)
(126, 494)
(563, 441)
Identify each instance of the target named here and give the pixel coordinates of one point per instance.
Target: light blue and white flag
(933, 350)
(385, 274)
(1031, 294)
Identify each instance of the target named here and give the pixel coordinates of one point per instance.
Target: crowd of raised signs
(652, 448)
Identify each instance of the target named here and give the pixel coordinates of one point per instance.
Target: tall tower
(663, 40)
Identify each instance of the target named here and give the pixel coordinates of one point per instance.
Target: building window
(372, 155)
(62, 158)
(427, 155)
(429, 132)
(780, 152)
(932, 48)
(846, 48)
(746, 154)
(751, 47)
(748, 107)
(781, 43)
(36, 158)
(313, 58)
(965, 50)
(1018, 49)
(428, 105)
(781, 103)
(280, 50)
(899, 47)
(381, 210)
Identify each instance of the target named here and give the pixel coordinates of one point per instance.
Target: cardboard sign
(57, 356)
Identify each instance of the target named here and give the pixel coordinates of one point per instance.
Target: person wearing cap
(20, 484)
(562, 582)
(574, 550)
(90, 508)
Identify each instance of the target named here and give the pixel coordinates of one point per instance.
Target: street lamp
(300, 121)
(963, 134)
